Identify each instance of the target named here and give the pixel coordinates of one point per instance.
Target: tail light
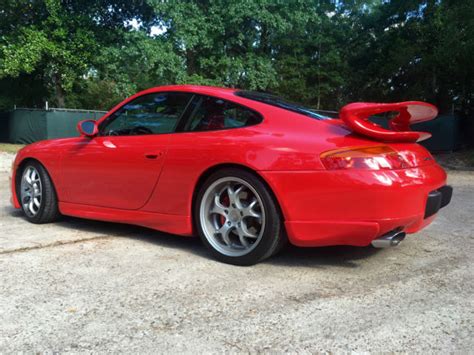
(380, 157)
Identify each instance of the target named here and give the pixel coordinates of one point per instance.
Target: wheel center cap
(234, 215)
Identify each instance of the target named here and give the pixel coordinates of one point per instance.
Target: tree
(58, 40)
(323, 53)
(412, 49)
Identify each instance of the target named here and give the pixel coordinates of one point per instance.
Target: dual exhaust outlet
(391, 239)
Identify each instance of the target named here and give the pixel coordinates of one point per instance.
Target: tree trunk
(264, 40)
(58, 91)
(319, 76)
(190, 62)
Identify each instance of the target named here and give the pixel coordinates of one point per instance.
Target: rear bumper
(324, 208)
(438, 199)
(326, 233)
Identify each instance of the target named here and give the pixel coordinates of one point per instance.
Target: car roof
(220, 92)
(198, 89)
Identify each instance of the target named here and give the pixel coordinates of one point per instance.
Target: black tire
(48, 211)
(273, 238)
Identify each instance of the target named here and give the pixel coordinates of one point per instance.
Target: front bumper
(354, 207)
(13, 196)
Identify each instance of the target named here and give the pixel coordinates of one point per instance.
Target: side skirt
(174, 224)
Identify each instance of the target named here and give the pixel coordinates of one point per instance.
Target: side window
(149, 114)
(213, 113)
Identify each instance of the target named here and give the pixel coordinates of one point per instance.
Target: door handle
(153, 155)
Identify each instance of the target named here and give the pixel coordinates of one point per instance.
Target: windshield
(282, 103)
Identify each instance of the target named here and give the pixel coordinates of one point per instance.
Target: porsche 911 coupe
(246, 171)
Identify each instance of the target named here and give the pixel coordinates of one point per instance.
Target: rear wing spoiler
(356, 117)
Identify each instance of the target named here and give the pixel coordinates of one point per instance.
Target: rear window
(273, 100)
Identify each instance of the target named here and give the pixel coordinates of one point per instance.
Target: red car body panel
(108, 177)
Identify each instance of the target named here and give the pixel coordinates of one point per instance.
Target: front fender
(42, 153)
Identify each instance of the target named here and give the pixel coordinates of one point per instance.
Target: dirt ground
(84, 286)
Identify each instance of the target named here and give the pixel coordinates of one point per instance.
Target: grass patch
(10, 148)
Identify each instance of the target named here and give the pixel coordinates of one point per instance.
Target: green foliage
(54, 44)
(59, 40)
(93, 53)
(415, 49)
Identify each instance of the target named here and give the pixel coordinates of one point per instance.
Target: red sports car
(246, 171)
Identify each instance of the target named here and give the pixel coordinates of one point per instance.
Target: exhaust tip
(391, 239)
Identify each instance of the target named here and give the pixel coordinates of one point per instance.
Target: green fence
(23, 126)
(447, 130)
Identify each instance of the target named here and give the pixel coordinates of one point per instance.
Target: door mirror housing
(88, 128)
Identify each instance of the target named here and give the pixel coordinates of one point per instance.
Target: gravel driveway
(81, 285)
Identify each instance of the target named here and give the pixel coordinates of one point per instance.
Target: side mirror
(88, 128)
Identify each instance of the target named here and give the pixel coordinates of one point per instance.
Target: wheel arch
(19, 170)
(23, 163)
(209, 171)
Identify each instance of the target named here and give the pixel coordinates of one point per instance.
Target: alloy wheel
(232, 216)
(31, 191)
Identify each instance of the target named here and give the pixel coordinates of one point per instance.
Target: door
(120, 167)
